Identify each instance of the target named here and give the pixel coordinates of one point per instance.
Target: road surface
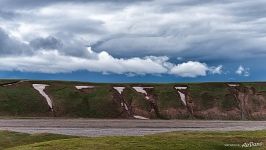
(111, 127)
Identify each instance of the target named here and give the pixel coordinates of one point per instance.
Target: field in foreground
(11, 139)
(173, 140)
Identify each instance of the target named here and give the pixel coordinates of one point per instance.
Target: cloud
(151, 32)
(99, 62)
(19, 56)
(216, 70)
(8, 15)
(193, 69)
(46, 43)
(27, 4)
(54, 62)
(209, 30)
(11, 46)
(50, 47)
(189, 30)
(242, 71)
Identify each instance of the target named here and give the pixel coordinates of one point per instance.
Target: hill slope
(236, 101)
(246, 140)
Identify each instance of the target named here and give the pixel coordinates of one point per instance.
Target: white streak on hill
(79, 87)
(40, 88)
(182, 95)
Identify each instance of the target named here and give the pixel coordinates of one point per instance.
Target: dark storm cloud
(200, 29)
(9, 46)
(248, 9)
(46, 43)
(67, 47)
(176, 28)
(31, 4)
(7, 14)
(78, 26)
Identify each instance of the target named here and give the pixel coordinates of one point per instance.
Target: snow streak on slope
(40, 88)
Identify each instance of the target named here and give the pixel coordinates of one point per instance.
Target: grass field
(165, 141)
(12, 139)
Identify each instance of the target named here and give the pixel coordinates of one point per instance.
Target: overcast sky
(132, 41)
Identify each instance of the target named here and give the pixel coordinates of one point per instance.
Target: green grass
(164, 141)
(207, 95)
(213, 95)
(22, 100)
(168, 98)
(260, 86)
(71, 102)
(7, 81)
(135, 99)
(229, 103)
(12, 139)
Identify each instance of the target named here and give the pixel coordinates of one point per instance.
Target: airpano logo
(252, 144)
(245, 145)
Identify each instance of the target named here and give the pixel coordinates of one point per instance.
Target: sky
(133, 41)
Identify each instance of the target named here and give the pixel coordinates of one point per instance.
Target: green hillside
(163, 101)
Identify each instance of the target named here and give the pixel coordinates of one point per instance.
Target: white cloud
(216, 70)
(193, 69)
(54, 62)
(242, 71)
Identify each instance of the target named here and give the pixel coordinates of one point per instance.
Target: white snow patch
(141, 89)
(119, 89)
(79, 87)
(233, 85)
(13, 83)
(40, 88)
(125, 105)
(183, 97)
(140, 117)
(8, 84)
(180, 87)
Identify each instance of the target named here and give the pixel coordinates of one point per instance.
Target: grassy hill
(204, 100)
(164, 141)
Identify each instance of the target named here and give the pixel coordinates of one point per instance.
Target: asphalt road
(110, 127)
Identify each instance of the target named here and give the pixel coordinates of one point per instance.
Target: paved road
(110, 127)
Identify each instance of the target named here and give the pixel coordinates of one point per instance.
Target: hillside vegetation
(12, 139)
(246, 101)
(246, 140)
